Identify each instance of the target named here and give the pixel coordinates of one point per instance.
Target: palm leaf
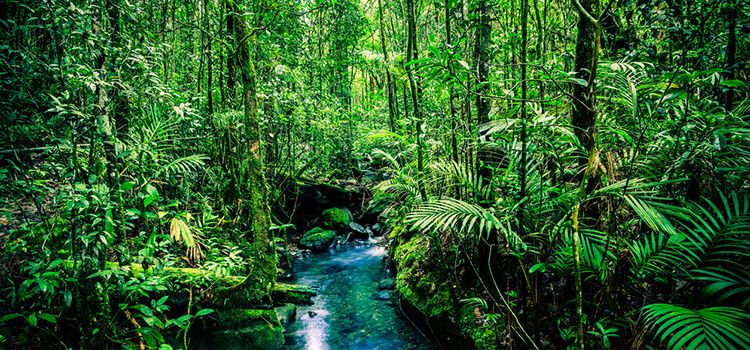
(709, 328)
(724, 283)
(452, 214)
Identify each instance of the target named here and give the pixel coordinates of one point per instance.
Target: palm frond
(182, 165)
(719, 233)
(452, 175)
(390, 160)
(658, 253)
(709, 328)
(643, 199)
(452, 214)
(724, 283)
(593, 244)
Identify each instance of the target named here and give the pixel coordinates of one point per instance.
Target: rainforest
(374, 174)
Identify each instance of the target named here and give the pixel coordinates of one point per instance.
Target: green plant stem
(579, 292)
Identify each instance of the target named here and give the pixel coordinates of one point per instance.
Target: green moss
(396, 232)
(286, 313)
(317, 239)
(336, 218)
(220, 290)
(475, 326)
(248, 329)
(416, 284)
(292, 293)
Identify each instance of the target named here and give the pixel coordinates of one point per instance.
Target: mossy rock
(317, 239)
(284, 293)
(247, 329)
(387, 284)
(336, 218)
(416, 284)
(287, 314)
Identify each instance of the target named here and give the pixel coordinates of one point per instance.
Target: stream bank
(376, 287)
(422, 287)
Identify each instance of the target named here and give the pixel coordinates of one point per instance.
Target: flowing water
(349, 311)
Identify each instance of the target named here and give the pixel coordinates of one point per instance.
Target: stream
(349, 311)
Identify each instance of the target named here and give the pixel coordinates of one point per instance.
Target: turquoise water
(349, 311)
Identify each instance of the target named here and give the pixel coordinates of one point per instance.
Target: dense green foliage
(556, 173)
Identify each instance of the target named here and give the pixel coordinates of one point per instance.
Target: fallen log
(221, 290)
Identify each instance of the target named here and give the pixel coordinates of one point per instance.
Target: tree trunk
(210, 59)
(412, 55)
(389, 84)
(482, 62)
(452, 91)
(586, 60)
(264, 269)
(584, 124)
(731, 51)
(230, 58)
(524, 90)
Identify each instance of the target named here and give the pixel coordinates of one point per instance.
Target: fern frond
(391, 160)
(719, 233)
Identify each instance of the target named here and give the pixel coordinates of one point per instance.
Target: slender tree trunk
(731, 50)
(482, 63)
(406, 103)
(586, 61)
(210, 59)
(584, 124)
(524, 90)
(264, 271)
(482, 88)
(230, 58)
(412, 55)
(452, 91)
(389, 79)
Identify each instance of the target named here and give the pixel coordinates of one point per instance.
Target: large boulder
(317, 239)
(336, 218)
(287, 314)
(387, 284)
(358, 231)
(418, 283)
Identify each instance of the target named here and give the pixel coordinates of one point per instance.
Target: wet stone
(382, 296)
(287, 314)
(387, 284)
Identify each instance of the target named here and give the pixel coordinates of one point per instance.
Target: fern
(709, 328)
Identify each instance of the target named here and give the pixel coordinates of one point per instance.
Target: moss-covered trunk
(264, 264)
